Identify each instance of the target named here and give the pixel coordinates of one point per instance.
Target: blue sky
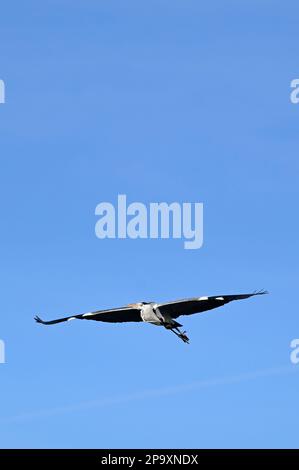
(161, 101)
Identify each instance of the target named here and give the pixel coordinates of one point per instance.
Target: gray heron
(161, 314)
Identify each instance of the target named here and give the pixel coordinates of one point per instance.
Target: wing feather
(200, 304)
(116, 315)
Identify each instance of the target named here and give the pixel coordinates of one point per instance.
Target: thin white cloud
(150, 393)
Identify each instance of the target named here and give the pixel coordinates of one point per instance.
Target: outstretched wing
(116, 315)
(200, 304)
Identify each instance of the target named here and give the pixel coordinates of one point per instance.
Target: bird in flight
(163, 314)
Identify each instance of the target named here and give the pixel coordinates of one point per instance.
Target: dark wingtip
(38, 319)
(261, 292)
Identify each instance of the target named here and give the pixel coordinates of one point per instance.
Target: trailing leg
(180, 334)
